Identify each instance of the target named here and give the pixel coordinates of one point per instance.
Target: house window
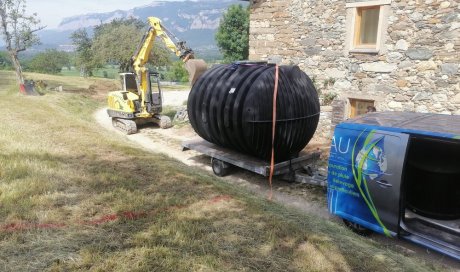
(366, 25)
(359, 106)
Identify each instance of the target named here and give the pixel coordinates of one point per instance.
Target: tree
(177, 72)
(233, 34)
(116, 42)
(85, 56)
(49, 62)
(160, 55)
(18, 31)
(5, 61)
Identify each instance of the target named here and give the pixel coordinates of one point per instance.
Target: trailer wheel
(357, 228)
(220, 168)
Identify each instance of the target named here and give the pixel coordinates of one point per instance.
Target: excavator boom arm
(141, 57)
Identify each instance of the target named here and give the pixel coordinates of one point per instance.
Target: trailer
(298, 169)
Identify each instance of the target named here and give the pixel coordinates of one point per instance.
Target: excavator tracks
(125, 125)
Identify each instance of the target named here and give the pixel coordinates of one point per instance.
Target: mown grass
(62, 178)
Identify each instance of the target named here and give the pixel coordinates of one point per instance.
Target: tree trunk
(17, 67)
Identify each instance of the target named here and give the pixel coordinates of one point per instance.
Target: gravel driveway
(175, 98)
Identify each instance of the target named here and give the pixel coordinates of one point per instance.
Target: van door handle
(384, 183)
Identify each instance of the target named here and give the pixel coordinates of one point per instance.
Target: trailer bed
(289, 170)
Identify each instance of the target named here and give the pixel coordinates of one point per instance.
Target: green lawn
(106, 72)
(74, 197)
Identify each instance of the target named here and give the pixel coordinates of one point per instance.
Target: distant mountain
(193, 21)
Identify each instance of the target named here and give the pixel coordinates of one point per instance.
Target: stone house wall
(416, 68)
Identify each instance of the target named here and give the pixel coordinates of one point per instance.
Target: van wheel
(357, 228)
(220, 168)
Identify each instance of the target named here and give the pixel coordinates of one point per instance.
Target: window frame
(353, 105)
(357, 30)
(354, 27)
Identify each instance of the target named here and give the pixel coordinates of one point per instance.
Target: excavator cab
(127, 108)
(128, 82)
(155, 93)
(153, 97)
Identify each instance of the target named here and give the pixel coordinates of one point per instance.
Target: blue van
(398, 173)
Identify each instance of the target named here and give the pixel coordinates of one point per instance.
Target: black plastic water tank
(232, 106)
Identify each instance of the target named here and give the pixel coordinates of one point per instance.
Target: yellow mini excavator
(140, 100)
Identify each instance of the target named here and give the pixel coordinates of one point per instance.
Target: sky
(51, 12)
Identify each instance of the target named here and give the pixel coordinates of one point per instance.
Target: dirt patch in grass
(101, 88)
(96, 88)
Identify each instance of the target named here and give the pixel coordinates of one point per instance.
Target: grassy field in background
(112, 72)
(74, 197)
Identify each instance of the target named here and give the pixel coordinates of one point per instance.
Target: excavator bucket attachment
(195, 68)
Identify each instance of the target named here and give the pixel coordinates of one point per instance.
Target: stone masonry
(416, 68)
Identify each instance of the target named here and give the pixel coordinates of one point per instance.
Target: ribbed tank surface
(232, 106)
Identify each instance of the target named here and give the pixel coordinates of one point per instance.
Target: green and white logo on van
(369, 163)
